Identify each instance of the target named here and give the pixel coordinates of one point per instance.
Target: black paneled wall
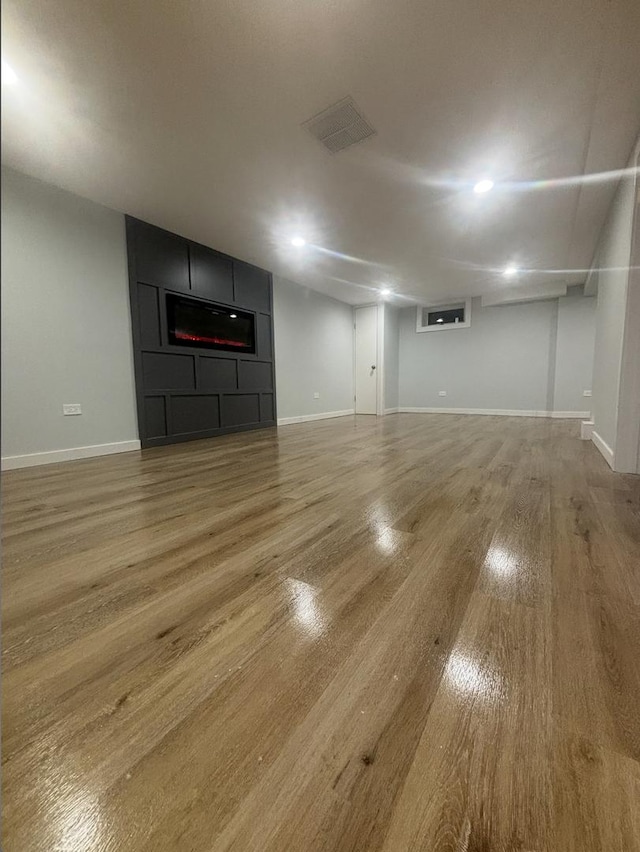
(185, 393)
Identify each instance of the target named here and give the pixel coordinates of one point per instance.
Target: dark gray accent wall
(187, 393)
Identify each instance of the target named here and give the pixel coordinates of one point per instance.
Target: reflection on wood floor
(418, 632)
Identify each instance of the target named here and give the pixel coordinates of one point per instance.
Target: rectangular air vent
(339, 126)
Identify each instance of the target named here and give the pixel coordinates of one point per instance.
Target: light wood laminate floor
(420, 632)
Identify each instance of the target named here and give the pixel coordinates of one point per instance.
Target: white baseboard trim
(53, 456)
(392, 410)
(304, 418)
(502, 412)
(570, 415)
(586, 428)
(604, 448)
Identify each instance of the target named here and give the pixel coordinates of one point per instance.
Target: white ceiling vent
(339, 126)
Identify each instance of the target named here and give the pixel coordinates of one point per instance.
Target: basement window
(441, 317)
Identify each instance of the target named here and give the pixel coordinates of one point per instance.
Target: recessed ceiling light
(385, 291)
(298, 242)
(510, 271)
(9, 76)
(485, 185)
(233, 316)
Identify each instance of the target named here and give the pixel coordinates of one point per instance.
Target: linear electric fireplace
(203, 324)
(202, 329)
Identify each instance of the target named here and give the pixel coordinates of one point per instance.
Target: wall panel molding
(184, 393)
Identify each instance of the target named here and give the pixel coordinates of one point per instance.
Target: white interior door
(366, 345)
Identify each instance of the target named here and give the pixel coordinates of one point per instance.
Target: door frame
(379, 306)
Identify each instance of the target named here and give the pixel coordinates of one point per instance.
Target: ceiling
(189, 115)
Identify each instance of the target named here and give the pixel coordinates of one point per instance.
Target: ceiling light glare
(483, 186)
(298, 242)
(9, 76)
(233, 316)
(385, 291)
(510, 271)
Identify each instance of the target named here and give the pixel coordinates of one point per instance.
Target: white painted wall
(613, 257)
(314, 352)
(66, 331)
(616, 373)
(66, 338)
(574, 353)
(391, 356)
(527, 357)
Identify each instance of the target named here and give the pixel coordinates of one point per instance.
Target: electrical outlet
(316, 395)
(586, 393)
(442, 393)
(71, 408)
